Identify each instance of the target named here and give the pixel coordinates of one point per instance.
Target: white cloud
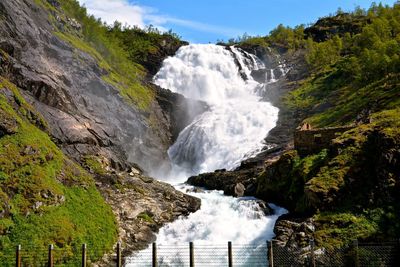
(112, 10)
(134, 14)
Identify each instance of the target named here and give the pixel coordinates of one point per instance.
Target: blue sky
(204, 21)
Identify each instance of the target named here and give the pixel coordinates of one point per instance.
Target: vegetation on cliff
(349, 188)
(45, 197)
(125, 54)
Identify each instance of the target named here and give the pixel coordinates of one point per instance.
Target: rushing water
(232, 130)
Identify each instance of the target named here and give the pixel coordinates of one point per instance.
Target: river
(232, 130)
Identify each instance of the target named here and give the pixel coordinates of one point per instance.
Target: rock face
(142, 205)
(178, 110)
(91, 122)
(340, 24)
(85, 114)
(280, 138)
(8, 124)
(166, 48)
(233, 183)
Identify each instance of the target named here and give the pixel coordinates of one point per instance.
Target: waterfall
(237, 122)
(232, 130)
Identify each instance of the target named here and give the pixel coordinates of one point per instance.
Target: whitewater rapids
(237, 122)
(232, 130)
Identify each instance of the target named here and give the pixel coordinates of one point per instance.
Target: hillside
(344, 71)
(81, 126)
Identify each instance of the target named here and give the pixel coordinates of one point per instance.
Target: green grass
(335, 229)
(45, 197)
(93, 163)
(121, 72)
(146, 217)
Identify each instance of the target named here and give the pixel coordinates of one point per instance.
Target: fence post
(18, 256)
(356, 255)
(50, 260)
(270, 253)
(191, 252)
(155, 255)
(84, 255)
(397, 259)
(230, 260)
(119, 256)
(312, 245)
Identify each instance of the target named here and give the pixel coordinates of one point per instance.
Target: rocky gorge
(75, 130)
(62, 91)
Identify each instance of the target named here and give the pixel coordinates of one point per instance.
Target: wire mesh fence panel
(34, 257)
(205, 255)
(378, 255)
(141, 258)
(7, 257)
(211, 255)
(250, 255)
(290, 257)
(165, 256)
(95, 254)
(67, 257)
(173, 255)
(336, 257)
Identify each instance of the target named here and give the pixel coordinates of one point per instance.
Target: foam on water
(237, 121)
(232, 130)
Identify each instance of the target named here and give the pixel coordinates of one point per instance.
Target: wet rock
(179, 110)
(142, 205)
(195, 190)
(294, 234)
(134, 172)
(236, 190)
(265, 208)
(233, 183)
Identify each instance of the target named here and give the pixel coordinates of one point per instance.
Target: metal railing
(271, 253)
(357, 254)
(200, 255)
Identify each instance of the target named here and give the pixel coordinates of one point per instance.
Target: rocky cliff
(100, 120)
(339, 187)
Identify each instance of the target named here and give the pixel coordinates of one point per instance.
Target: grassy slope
(45, 197)
(93, 39)
(348, 189)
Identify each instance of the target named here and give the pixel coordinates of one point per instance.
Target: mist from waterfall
(237, 122)
(232, 130)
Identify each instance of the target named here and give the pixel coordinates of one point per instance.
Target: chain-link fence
(201, 255)
(355, 254)
(271, 253)
(51, 256)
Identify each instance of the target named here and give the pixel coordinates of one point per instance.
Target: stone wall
(308, 141)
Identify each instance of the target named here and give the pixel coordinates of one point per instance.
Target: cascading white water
(237, 121)
(232, 130)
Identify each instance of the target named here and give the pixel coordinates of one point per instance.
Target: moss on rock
(45, 197)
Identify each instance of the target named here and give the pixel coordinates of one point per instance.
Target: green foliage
(94, 164)
(287, 37)
(367, 56)
(146, 217)
(335, 229)
(119, 51)
(45, 197)
(139, 43)
(324, 54)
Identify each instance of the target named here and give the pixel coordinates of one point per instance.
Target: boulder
(236, 190)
